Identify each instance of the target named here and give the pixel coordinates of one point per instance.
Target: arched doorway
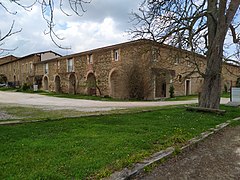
(3, 78)
(91, 84)
(38, 81)
(14, 81)
(72, 84)
(57, 84)
(114, 84)
(45, 83)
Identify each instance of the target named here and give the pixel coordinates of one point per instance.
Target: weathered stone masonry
(135, 69)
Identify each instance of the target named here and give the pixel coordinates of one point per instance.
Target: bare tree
(3, 37)
(199, 26)
(48, 13)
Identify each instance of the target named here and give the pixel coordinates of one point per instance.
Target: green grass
(225, 95)
(182, 98)
(77, 148)
(7, 89)
(191, 97)
(79, 96)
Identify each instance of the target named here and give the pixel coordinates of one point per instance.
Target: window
(58, 64)
(70, 65)
(46, 68)
(30, 67)
(116, 55)
(90, 59)
(26, 70)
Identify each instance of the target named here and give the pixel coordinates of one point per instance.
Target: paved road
(79, 104)
(218, 157)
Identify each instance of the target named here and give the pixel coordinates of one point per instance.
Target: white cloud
(88, 35)
(104, 23)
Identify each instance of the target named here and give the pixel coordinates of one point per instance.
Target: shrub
(171, 91)
(225, 88)
(238, 82)
(25, 87)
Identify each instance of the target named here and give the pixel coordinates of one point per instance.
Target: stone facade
(7, 59)
(22, 70)
(138, 69)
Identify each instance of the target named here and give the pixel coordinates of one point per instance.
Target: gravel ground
(217, 157)
(47, 102)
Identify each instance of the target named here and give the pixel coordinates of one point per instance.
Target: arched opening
(45, 83)
(114, 84)
(72, 84)
(91, 84)
(14, 81)
(38, 81)
(3, 79)
(57, 84)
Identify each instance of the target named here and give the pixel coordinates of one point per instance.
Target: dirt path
(218, 157)
(79, 104)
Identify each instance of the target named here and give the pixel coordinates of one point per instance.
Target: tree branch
(236, 39)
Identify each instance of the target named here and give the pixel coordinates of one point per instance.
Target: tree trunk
(218, 23)
(211, 90)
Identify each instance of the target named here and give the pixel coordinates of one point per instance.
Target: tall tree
(200, 26)
(48, 8)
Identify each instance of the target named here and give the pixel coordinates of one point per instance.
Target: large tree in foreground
(200, 26)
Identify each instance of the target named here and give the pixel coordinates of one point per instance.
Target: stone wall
(7, 59)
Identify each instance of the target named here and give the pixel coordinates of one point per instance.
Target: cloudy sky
(104, 23)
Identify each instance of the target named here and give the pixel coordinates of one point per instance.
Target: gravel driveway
(48, 102)
(218, 157)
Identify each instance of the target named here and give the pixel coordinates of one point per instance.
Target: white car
(2, 85)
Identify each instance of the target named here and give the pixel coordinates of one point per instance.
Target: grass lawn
(182, 98)
(77, 148)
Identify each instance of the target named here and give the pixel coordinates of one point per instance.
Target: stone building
(137, 69)
(22, 70)
(7, 59)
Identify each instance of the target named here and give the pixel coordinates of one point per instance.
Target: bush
(171, 91)
(238, 82)
(225, 88)
(25, 87)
